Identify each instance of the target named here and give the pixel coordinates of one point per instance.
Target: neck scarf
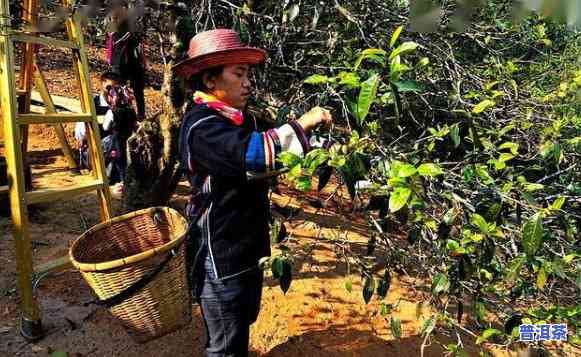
(233, 114)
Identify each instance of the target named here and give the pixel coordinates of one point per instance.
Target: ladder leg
(29, 16)
(24, 149)
(67, 152)
(21, 102)
(40, 84)
(30, 323)
(81, 65)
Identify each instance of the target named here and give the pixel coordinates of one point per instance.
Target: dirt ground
(317, 317)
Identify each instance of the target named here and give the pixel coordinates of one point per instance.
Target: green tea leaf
(570, 257)
(349, 285)
(368, 289)
(295, 172)
(337, 161)
(424, 61)
(450, 216)
(276, 267)
(455, 134)
(514, 269)
(546, 149)
(406, 170)
(408, 86)
(505, 130)
(480, 311)
(574, 141)
(399, 198)
(384, 284)
(558, 204)
(316, 79)
(349, 79)
(404, 48)
(513, 147)
(455, 247)
(395, 36)
(289, 159)
(468, 174)
(304, 183)
(575, 340)
(385, 309)
(286, 276)
(428, 326)
(375, 54)
(482, 106)
(482, 172)
(315, 158)
(479, 221)
(532, 187)
(488, 333)
(430, 170)
(440, 284)
(367, 96)
(504, 157)
(395, 325)
(532, 235)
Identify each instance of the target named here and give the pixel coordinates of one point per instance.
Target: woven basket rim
(132, 259)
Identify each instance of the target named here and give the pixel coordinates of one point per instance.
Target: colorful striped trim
(263, 148)
(301, 135)
(255, 153)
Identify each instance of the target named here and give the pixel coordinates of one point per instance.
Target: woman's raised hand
(315, 117)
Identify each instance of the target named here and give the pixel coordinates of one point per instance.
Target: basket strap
(137, 286)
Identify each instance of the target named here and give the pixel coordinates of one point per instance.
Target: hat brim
(195, 65)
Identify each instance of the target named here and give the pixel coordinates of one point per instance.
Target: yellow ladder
(16, 117)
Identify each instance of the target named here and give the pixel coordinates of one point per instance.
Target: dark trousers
(114, 154)
(229, 307)
(137, 82)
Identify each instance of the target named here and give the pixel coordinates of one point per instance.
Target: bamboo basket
(115, 255)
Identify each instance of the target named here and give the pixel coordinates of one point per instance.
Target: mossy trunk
(152, 173)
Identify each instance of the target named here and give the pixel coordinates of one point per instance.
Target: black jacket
(127, 55)
(229, 214)
(100, 109)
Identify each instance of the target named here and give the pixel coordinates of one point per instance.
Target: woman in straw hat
(228, 158)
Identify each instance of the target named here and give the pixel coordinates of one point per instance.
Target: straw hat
(216, 48)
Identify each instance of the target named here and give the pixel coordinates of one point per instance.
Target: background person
(126, 53)
(115, 102)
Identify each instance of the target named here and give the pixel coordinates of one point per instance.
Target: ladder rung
(3, 189)
(53, 118)
(41, 40)
(54, 194)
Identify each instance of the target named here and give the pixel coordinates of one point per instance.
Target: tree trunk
(152, 173)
